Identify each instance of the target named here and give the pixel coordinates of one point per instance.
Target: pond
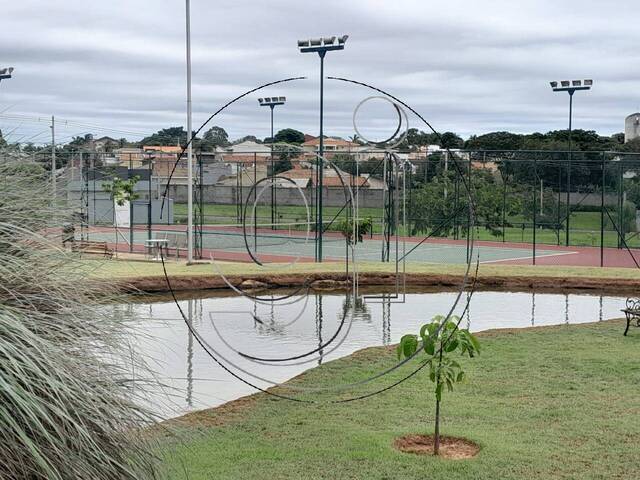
(192, 380)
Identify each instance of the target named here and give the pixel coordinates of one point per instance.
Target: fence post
(620, 207)
(535, 204)
(504, 175)
(568, 198)
(602, 213)
(470, 187)
(130, 208)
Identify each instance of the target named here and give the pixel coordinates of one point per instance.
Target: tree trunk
(436, 436)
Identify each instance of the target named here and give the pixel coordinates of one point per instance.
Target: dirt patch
(450, 447)
(331, 280)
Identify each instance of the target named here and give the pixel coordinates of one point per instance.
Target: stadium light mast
(189, 140)
(272, 102)
(5, 73)
(321, 46)
(570, 87)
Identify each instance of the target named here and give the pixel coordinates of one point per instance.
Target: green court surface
(231, 244)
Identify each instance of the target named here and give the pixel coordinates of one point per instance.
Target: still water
(192, 380)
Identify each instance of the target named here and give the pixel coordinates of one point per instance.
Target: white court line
(528, 257)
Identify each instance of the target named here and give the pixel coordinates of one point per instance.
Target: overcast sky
(467, 66)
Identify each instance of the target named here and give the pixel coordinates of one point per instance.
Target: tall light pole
(321, 46)
(53, 159)
(272, 102)
(570, 87)
(189, 146)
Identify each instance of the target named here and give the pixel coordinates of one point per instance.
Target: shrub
(68, 406)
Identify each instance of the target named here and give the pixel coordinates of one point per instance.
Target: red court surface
(565, 256)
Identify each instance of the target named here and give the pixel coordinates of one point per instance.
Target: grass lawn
(545, 403)
(130, 269)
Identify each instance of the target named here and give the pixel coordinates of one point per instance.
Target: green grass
(120, 269)
(546, 403)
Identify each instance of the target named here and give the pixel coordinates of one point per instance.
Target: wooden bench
(632, 312)
(92, 247)
(176, 242)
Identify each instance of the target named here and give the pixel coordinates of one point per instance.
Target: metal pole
(273, 185)
(53, 158)
(149, 212)
(255, 209)
(535, 207)
(320, 163)
(189, 145)
(569, 167)
(620, 207)
(602, 214)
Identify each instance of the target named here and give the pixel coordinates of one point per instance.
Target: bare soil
(452, 448)
(331, 280)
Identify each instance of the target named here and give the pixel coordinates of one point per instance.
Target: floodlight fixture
(571, 85)
(5, 73)
(322, 45)
(272, 101)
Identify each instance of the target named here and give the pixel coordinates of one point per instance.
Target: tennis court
(231, 243)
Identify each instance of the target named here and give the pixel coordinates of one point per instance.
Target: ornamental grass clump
(69, 408)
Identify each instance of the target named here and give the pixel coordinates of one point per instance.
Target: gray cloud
(469, 67)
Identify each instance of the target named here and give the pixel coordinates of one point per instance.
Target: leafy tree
(246, 138)
(441, 339)
(495, 141)
(289, 135)
(3, 142)
(434, 205)
(284, 155)
(363, 227)
(214, 137)
(450, 140)
(171, 136)
(121, 192)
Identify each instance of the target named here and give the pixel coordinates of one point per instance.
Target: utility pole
(53, 157)
(189, 145)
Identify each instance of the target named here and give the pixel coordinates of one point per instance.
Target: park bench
(632, 312)
(92, 247)
(176, 242)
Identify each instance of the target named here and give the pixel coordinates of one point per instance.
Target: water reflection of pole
(600, 312)
(533, 309)
(386, 321)
(319, 326)
(189, 397)
(566, 308)
(468, 310)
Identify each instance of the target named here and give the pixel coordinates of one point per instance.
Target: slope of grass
(130, 269)
(546, 403)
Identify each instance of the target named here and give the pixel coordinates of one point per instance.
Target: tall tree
(166, 137)
(215, 137)
(289, 135)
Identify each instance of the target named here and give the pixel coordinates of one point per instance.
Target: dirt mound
(450, 447)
